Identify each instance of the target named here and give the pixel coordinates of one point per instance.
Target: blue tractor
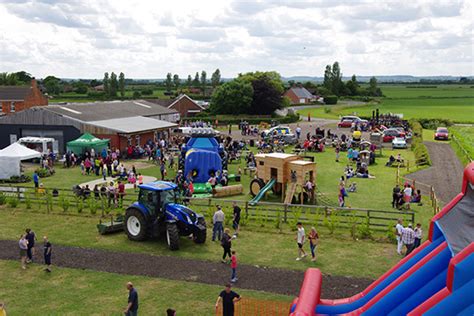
(157, 213)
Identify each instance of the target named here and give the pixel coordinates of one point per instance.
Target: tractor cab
(156, 195)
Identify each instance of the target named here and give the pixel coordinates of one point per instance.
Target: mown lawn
(85, 292)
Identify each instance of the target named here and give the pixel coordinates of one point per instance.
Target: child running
(233, 266)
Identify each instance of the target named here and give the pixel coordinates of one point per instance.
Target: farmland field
(452, 102)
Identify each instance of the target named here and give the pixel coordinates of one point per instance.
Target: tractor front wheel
(200, 236)
(172, 236)
(135, 225)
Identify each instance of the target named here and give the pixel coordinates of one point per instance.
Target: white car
(399, 143)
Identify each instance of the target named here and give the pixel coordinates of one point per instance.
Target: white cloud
(147, 39)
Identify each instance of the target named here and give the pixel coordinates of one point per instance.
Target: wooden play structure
(285, 174)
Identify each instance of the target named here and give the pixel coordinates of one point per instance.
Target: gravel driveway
(274, 280)
(445, 174)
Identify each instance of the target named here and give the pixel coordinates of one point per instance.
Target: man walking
(398, 232)
(395, 196)
(47, 254)
(31, 237)
(408, 238)
(218, 220)
(228, 298)
(236, 219)
(132, 307)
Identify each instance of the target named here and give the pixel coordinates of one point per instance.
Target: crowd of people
(408, 237)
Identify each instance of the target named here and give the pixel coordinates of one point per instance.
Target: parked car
(276, 131)
(399, 143)
(345, 123)
(390, 133)
(441, 133)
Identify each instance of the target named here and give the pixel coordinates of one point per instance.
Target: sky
(147, 39)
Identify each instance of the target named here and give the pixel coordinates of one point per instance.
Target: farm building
(183, 104)
(299, 95)
(18, 98)
(123, 122)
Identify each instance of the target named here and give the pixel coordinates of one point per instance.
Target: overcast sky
(147, 39)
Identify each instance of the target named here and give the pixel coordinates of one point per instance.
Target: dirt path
(445, 174)
(250, 277)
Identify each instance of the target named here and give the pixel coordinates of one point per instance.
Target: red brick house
(299, 95)
(185, 106)
(18, 98)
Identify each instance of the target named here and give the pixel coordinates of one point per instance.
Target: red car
(441, 133)
(391, 133)
(345, 123)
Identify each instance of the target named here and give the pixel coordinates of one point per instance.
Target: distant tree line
(200, 82)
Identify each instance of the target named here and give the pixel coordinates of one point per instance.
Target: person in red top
(121, 191)
(233, 266)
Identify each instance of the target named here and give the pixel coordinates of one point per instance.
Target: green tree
(113, 85)
(203, 82)
(337, 84)
(122, 84)
(189, 82)
(106, 83)
(52, 85)
(373, 90)
(136, 94)
(176, 81)
(196, 80)
(267, 91)
(233, 97)
(169, 82)
(327, 83)
(23, 76)
(80, 87)
(216, 78)
(8, 79)
(352, 86)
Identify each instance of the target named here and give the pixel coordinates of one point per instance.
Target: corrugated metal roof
(132, 124)
(302, 92)
(13, 93)
(97, 111)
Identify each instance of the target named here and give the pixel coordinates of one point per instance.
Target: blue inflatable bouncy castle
(202, 156)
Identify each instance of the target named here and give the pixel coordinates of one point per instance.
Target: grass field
(465, 137)
(452, 102)
(255, 245)
(83, 292)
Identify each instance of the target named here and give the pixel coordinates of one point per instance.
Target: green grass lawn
(465, 137)
(454, 102)
(85, 292)
(338, 254)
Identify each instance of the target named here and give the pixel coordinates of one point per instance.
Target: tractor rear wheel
(256, 185)
(135, 225)
(172, 236)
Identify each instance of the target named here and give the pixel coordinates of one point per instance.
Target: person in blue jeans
(218, 221)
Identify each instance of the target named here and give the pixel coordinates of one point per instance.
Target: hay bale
(228, 190)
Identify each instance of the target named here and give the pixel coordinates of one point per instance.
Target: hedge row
(251, 120)
(434, 123)
(419, 149)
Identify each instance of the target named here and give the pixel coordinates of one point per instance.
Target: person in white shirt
(398, 232)
(218, 221)
(418, 235)
(407, 193)
(300, 236)
(298, 132)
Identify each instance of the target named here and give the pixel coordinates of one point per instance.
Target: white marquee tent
(10, 158)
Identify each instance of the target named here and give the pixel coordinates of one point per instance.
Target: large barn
(123, 122)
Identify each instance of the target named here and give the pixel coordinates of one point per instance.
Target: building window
(12, 107)
(137, 140)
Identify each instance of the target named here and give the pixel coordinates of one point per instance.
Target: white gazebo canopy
(10, 158)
